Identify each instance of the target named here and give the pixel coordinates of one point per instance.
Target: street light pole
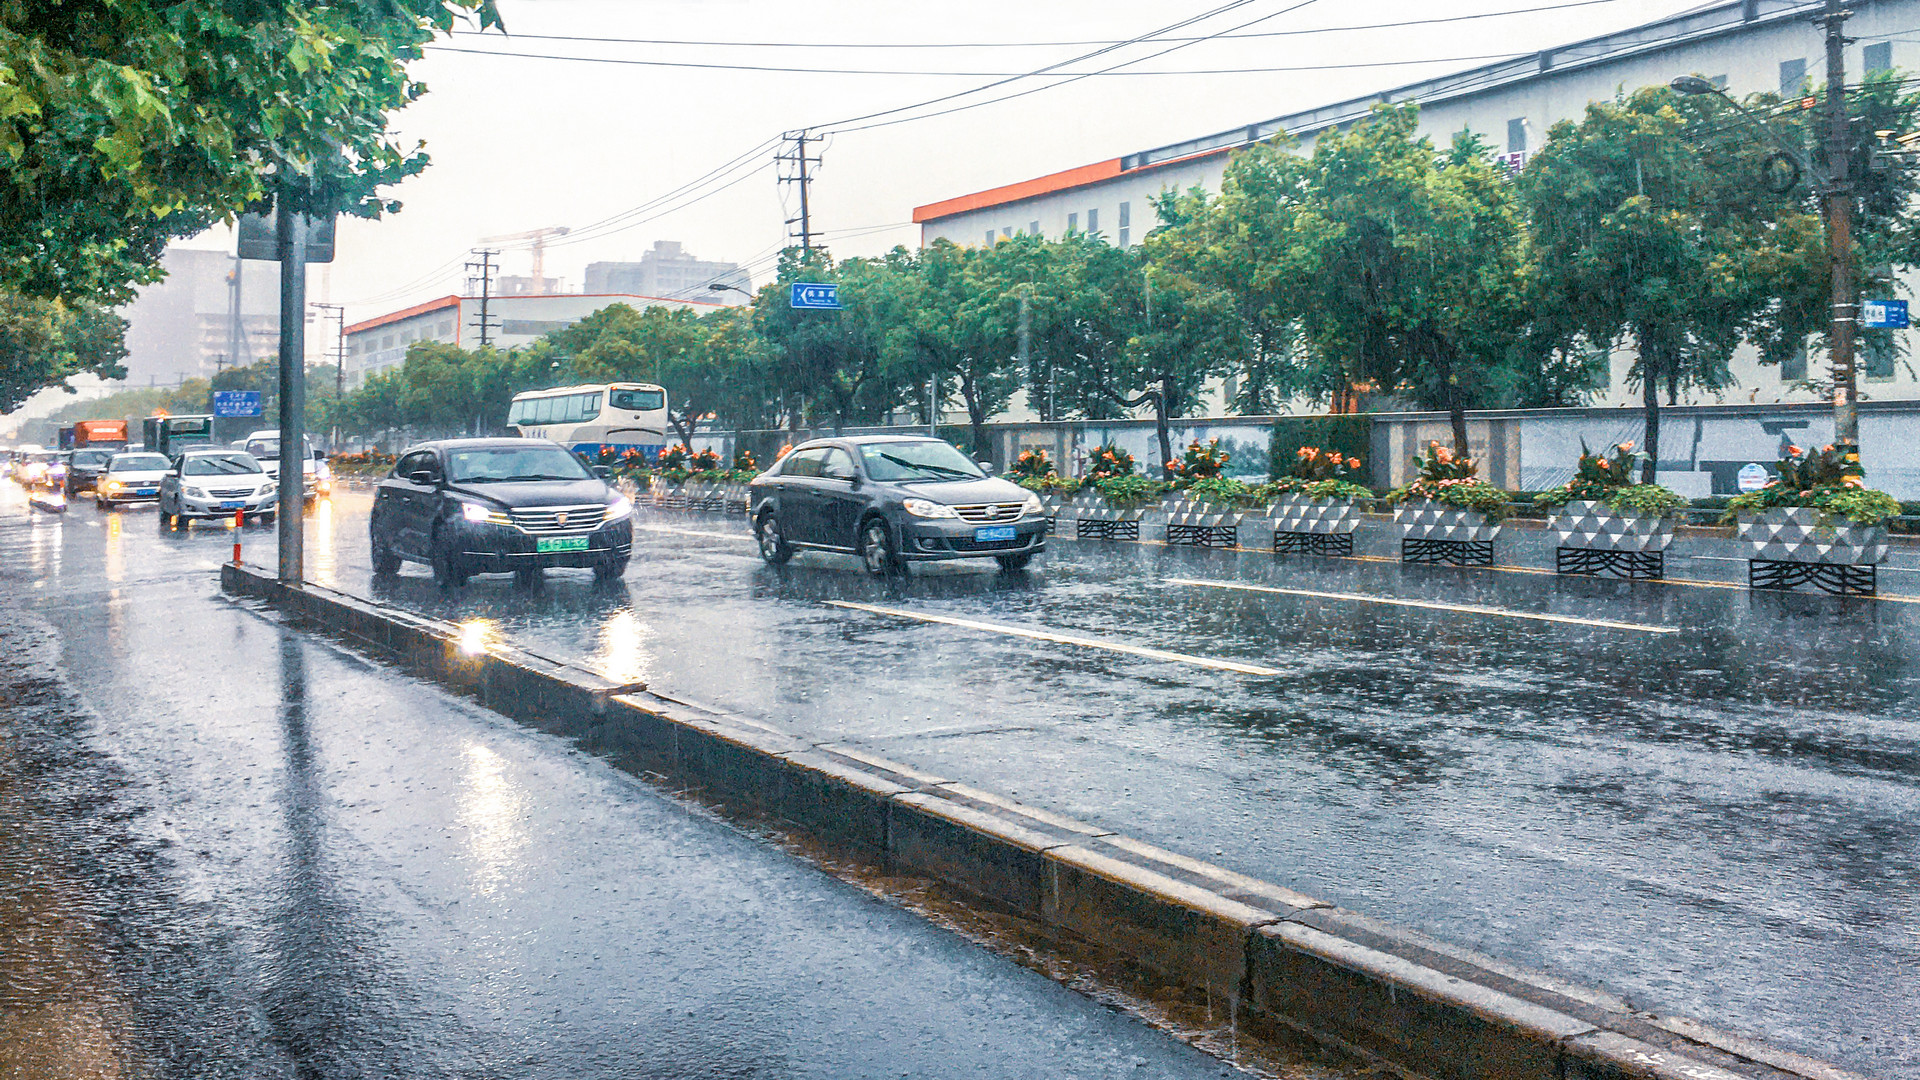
(1836, 198)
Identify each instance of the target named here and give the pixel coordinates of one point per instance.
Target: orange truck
(99, 434)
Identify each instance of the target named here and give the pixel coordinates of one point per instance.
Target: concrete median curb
(1282, 960)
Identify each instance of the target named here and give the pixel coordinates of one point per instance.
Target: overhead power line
(1400, 24)
(620, 61)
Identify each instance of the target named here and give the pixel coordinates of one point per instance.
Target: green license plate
(560, 543)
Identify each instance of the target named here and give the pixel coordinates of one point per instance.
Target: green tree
(1635, 237)
(46, 342)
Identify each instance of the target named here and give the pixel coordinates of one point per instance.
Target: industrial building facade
(380, 343)
(1745, 46)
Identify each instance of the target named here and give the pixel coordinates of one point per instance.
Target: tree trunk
(682, 428)
(1650, 369)
(976, 418)
(1160, 427)
(1457, 414)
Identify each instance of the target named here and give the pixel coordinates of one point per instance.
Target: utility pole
(338, 313)
(485, 269)
(799, 160)
(236, 329)
(1845, 324)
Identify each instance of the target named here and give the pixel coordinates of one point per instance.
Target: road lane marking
(1062, 639)
(1471, 609)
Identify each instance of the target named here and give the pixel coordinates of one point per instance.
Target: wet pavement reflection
(1718, 821)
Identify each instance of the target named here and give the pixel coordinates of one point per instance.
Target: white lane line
(1471, 609)
(1063, 639)
(694, 532)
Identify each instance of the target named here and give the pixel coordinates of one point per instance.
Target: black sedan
(893, 499)
(85, 468)
(483, 506)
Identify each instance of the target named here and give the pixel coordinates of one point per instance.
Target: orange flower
(1794, 451)
(1627, 446)
(1353, 463)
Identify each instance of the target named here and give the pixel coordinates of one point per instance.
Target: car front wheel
(1016, 561)
(773, 543)
(447, 571)
(385, 562)
(876, 549)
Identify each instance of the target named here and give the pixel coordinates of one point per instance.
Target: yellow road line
(1471, 609)
(1062, 639)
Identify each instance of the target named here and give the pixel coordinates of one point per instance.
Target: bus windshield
(638, 400)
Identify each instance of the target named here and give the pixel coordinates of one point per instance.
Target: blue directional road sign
(1883, 314)
(810, 295)
(236, 403)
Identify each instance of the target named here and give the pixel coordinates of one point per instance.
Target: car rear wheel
(773, 543)
(876, 549)
(1016, 561)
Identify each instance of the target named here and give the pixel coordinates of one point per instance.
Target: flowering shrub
(1827, 480)
(1031, 465)
(744, 467)
(675, 457)
(1128, 490)
(1109, 461)
(1221, 490)
(1609, 480)
(1051, 484)
(1319, 474)
(1199, 462)
(1448, 478)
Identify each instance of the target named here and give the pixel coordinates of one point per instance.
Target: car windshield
(91, 457)
(498, 464)
(138, 463)
(928, 459)
(44, 459)
(218, 465)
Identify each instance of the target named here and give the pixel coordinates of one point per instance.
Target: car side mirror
(421, 477)
(604, 472)
(986, 465)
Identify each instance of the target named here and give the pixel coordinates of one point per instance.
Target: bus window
(517, 413)
(639, 400)
(586, 406)
(543, 410)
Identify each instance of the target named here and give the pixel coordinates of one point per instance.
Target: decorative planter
(663, 493)
(1095, 517)
(1592, 538)
(1052, 503)
(1788, 546)
(733, 497)
(1314, 526)
(1202, 524)
(1432, 532)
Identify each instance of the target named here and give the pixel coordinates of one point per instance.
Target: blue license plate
(994, 532)
(233, 504)
(146, 491)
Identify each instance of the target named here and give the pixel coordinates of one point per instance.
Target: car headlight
(927, 508)
(267, 489)
(193, 493)
(481, 514)
(619, 508)
(1032, 505)
(112, 485)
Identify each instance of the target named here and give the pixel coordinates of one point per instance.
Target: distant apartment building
(670, 273)
(1743, 46)
(377, 344)
(185, 326)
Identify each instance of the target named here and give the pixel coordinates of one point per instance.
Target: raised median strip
(1278, 958)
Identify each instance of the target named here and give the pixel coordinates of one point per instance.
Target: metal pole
(292, 230)
(933, 407)
(1839, 199)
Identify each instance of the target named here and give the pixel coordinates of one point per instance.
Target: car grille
(557, 519)
(231, 493)
(989, 512)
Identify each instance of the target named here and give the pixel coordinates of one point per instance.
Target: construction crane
(537, 240)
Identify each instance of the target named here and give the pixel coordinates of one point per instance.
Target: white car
(213, 484)
(317, 478)
(130, 478)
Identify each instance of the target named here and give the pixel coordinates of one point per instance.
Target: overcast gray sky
(523, 143)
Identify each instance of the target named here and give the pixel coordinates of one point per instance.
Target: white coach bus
(584, 418)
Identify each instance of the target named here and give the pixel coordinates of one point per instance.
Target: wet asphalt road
(1712, 809)
(229, 850)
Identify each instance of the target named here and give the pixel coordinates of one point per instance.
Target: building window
(1073, 223)
(1126, 221)
(1793, 77)
(1006, 231)
(1517, 135)
(1033, 228)
(1794, 368)
(1093, 221)
(1877, 57)
(989, 237)
(1877, 350)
